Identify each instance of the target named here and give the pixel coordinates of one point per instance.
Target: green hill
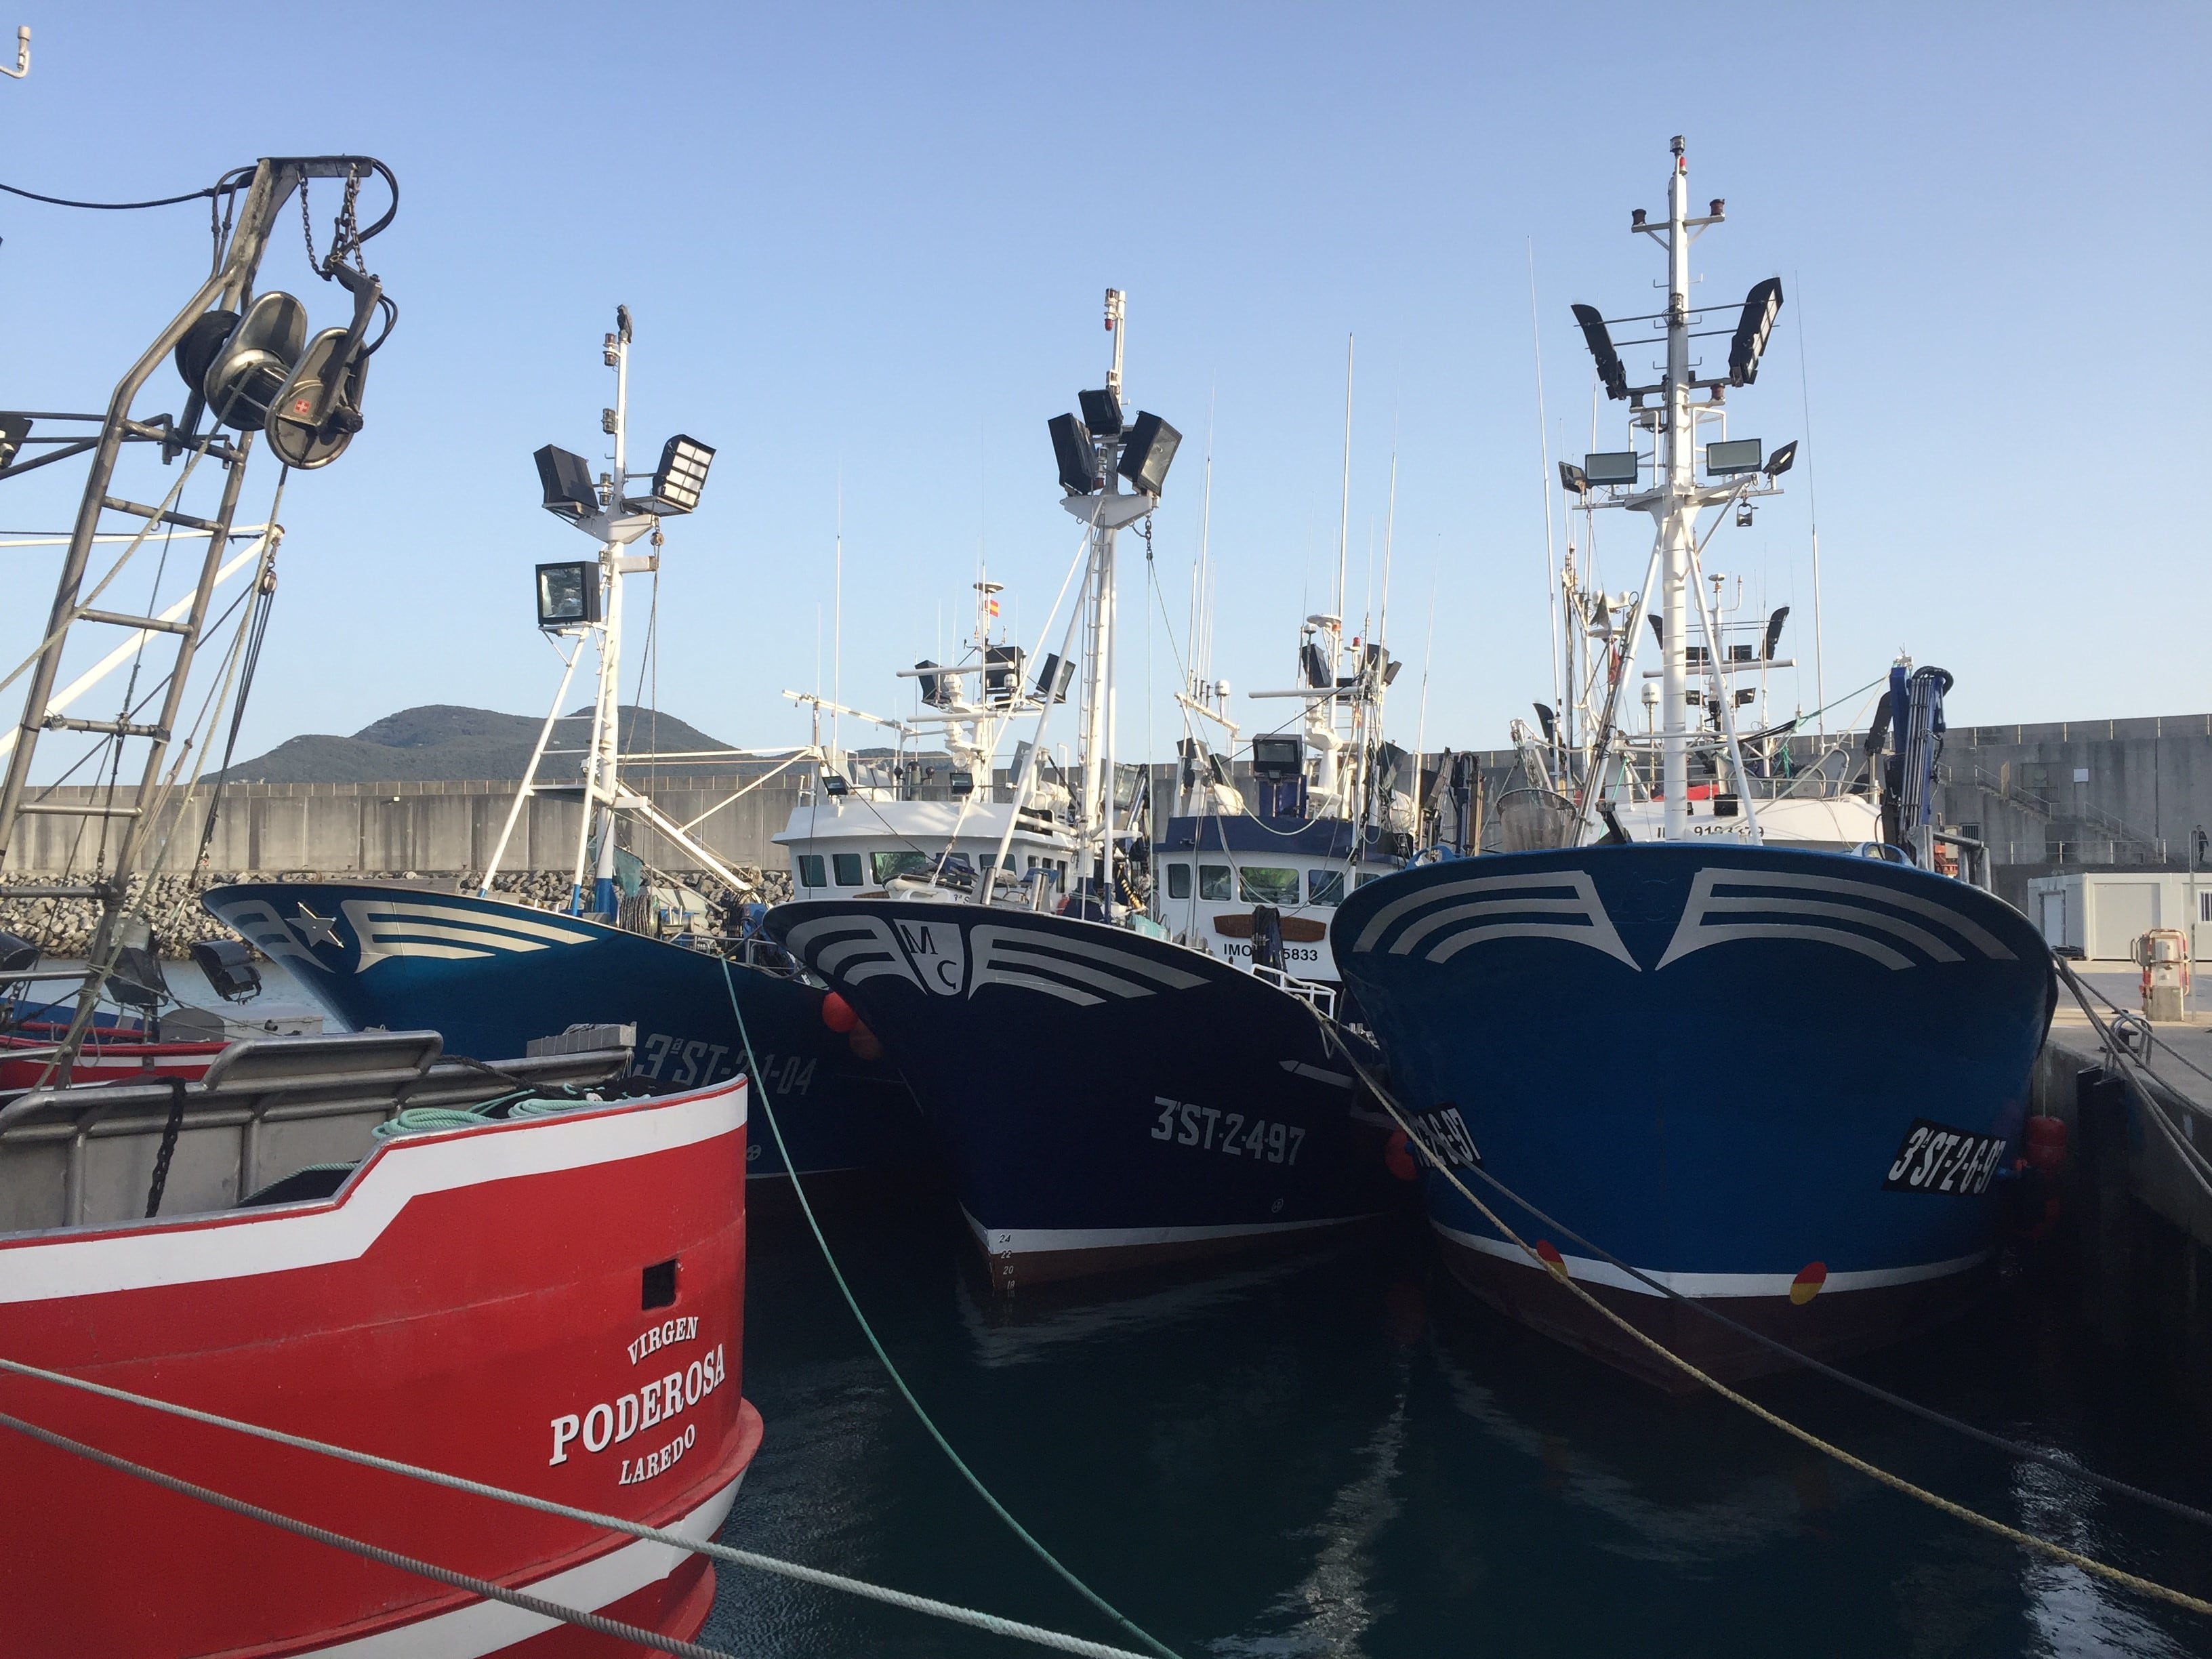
(440, 743)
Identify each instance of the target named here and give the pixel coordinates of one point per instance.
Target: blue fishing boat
(1746, 1060)
(493, 976)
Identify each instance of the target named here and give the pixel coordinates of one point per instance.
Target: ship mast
(1676, 509)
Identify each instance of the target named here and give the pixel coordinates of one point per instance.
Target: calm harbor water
(1345, 1455)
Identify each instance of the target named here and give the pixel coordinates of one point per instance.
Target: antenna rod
(1813, 506)
(1343, 508)
(1544, 486)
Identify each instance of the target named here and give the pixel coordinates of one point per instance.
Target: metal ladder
(230, 287)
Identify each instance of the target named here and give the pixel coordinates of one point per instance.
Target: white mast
(1108, 513)
(603, 761)
(1676, 508)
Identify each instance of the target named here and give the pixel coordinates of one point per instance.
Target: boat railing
(1320, 997)
(80, 1157)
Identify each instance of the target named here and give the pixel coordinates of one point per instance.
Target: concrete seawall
(430, 829)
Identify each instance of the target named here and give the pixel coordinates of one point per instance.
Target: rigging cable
(798, 1191)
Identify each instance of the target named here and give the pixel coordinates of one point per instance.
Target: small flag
(993, 606)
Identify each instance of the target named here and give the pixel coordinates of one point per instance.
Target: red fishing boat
(529, 1285)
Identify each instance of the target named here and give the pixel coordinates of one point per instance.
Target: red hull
(472, 1302)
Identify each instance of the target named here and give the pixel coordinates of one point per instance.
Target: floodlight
(1615, 466)
(1573, 478)
(1734, 455)
(1101, 412)
(567, 595)
(963, 783)
(1072, 448)
(833, 783)
(1277, 759)
(244, 377)
(1774, 632)
(1149, 452)
(680, 477)
(1761, 307)
(1782, 459)
(14, 429)
(1609, 367)
(1052, 680)
(229, 969)
(565, 479)
(1002, 674)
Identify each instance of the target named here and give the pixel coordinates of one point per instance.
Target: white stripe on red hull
(476, 1301)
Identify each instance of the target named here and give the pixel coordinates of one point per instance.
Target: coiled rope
(922, 1604)
(752, 1070)
(2028, 1541)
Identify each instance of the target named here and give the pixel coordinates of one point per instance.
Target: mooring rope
(1871, 1390)
(461, 1581)
(753, 1071)
(977, 1619)
(1896, 1483)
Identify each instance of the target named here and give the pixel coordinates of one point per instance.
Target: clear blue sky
(871, 241)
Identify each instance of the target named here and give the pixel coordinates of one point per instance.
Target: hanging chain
(1148, 538)
(345, 229)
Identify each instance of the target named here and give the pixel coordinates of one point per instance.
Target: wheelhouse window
(1213, 882)
(847, 868)
(810, 871)
(1324, 886)
(1366, 876)
(1179, 881)
(888, 866)
(1265, 884)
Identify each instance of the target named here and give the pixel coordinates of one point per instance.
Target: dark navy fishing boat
(1774, 1073)
(1105, 1099)
(1135, 1073)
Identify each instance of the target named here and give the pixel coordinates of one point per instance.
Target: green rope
(798, 1189)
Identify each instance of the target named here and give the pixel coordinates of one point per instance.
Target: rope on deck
(2027, 1540)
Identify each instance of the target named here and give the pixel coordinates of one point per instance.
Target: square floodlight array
(680, 477)
(567, 595)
